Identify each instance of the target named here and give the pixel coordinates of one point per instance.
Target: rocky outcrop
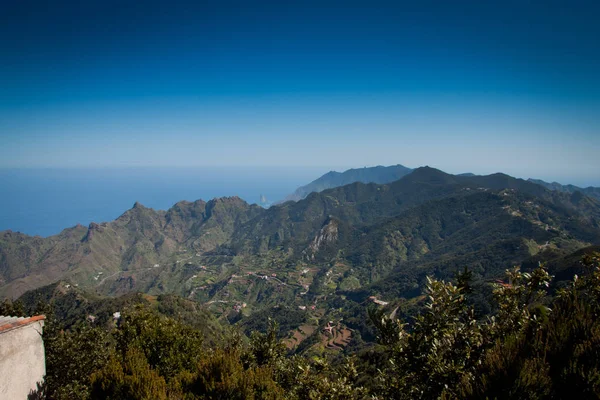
(92, 229)
(327, 234)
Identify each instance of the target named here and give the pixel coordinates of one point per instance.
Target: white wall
(22, 361)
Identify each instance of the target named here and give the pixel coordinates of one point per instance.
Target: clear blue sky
(479, 86)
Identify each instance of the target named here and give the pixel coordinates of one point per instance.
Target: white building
(22, 358)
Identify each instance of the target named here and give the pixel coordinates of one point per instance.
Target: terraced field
(299, 335)
(336, 337)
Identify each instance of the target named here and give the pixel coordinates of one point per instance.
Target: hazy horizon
(313, 172)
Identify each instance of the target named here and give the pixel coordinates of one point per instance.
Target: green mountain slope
(294, 226)
(141, 239)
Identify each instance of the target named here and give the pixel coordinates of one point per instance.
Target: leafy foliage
(72, 357)
(525, 350)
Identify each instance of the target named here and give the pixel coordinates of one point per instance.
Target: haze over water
(45, 201)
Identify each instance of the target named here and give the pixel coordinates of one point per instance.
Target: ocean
(46, 201)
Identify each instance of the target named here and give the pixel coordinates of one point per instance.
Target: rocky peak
(92, 228)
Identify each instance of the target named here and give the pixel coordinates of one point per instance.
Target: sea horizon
(41, 201)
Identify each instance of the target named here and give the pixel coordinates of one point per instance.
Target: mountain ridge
(589, 191)
(377, 174)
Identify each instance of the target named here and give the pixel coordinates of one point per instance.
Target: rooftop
(8, 323)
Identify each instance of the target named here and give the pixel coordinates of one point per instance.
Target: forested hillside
(539, 340)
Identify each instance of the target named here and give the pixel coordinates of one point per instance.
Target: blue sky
(508, 86)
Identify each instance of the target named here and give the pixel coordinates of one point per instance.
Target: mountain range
(316, 259)
(381, 174)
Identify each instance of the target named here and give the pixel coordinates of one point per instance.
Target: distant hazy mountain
(333, 179)
(589, 191)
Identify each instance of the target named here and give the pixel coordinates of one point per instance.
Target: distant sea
(46, 201)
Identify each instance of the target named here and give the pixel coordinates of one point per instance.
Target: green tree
(169, 346)
(12, 308)
(72, 357)
(129, 379)
(547, 354)
(439, 355)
